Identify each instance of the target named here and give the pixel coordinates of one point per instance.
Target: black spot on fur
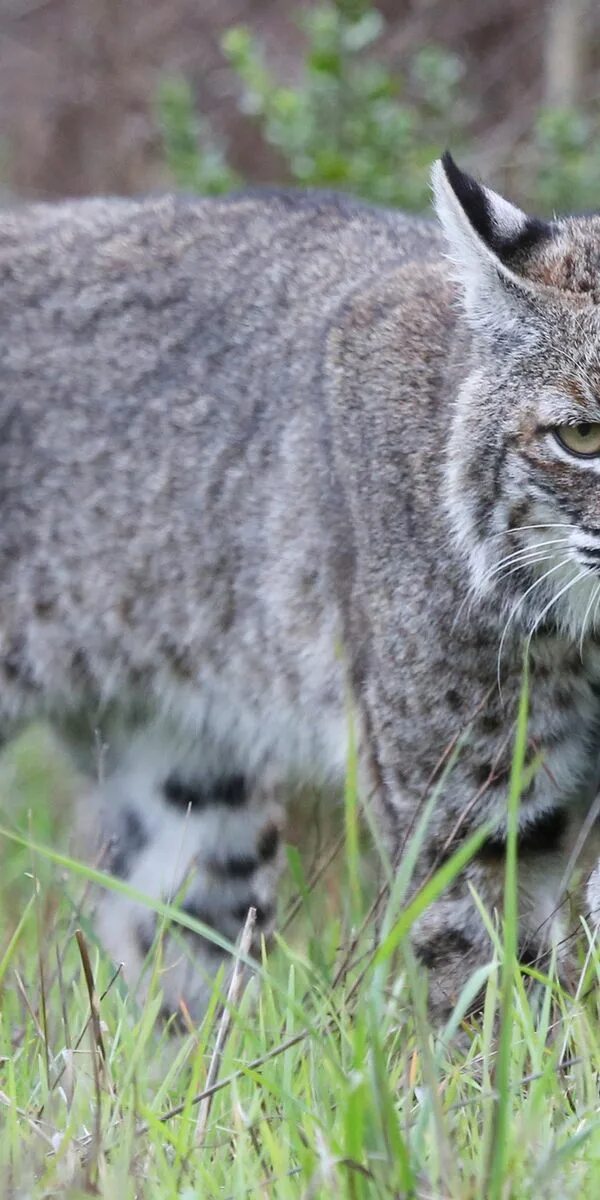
(519, 514)
(81, 668)
(484, 773)
(182, 794)
(264, 912)
(534, 954)
(179, 660)
(453, 699)
(545, 629)
(44, 609)
(562, 698)
(542, 835)
(232, 792)
(268, 844)
(237, 866)
(14, 660)
(173, 1020)
(201, 914)
(490, 723)
(545, 833)
(145, 935)
(131, 840)
(442, 946)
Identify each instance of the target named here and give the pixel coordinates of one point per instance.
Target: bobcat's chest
(564, 718)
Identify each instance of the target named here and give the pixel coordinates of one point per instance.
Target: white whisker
(593, 597)
(520, 528)
(595, 613)
(571, 582)
(514, 610)
(532, 558)
(529, 562)
(524, 553)
(525, 556)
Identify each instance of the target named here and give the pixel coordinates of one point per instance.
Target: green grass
(331, 1083)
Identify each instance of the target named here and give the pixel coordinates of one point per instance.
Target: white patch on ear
(476, 265)
(508, 220)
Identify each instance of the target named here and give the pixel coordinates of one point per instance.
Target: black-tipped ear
(471, 197)
(505, 230)
(489, 241)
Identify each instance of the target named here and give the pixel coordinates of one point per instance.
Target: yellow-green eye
(582, 439)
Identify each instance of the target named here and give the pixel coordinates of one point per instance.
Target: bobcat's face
(524, 452)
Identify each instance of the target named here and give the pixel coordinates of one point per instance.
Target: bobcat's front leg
(451, 938)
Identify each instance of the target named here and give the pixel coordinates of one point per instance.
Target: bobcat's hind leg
(211, 845)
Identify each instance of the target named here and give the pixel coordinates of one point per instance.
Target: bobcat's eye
(582, 440)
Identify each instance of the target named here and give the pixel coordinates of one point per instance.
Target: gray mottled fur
(258, 452)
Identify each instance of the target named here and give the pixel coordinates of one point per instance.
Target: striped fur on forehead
(570, 261)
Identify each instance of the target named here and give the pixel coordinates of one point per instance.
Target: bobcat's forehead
(569, 261)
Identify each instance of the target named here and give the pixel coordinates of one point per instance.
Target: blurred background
(133, 96)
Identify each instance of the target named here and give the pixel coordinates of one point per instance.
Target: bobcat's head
(523, 464)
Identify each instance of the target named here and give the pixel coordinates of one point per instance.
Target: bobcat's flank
(261, 452)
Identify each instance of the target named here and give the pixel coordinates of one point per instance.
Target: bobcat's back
(159, 390)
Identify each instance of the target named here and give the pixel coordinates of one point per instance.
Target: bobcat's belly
(260, 728)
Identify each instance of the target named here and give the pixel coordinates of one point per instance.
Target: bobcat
(260, 453)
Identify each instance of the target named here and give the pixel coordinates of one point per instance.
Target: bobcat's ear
(489, 240)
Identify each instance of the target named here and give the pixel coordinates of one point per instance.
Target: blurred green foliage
(348, 122)
(352, 123)
(567, 169)
(196, 162)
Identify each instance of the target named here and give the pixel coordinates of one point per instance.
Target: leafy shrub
(348, 123)
(567, 162)
(196, 162)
